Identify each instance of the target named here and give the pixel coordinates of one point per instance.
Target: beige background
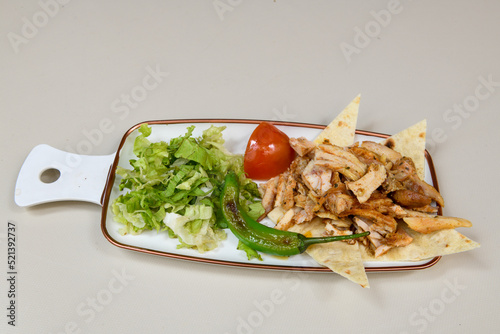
(67, 68)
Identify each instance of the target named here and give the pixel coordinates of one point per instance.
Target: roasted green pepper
(260, 237)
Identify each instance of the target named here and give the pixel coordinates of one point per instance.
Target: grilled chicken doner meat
(367, 186)
(381, 223)
(382, 150)
(317, 177)
(368, 183)
(341, 160)
(404, 171)
(302, 145)
(410, 199)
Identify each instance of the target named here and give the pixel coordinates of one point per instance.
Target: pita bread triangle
(342, 129)
(426, 246)
(340, 257)
(411, 143)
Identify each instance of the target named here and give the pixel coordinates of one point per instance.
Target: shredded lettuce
(251, 253)
(175, 187)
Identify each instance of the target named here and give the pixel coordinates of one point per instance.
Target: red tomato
(268, 152)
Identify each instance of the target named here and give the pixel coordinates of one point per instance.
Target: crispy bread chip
(342, 129)
(340, 257)
(411, 143)
(425, 246)
(431, 224)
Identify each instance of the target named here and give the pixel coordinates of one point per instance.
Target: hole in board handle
(50, 175)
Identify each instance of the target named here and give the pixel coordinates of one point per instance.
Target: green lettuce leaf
(194, 228)
(251, 253)
(175, 187)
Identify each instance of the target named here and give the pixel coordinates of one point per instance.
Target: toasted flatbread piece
(342, 129)
(338, 256)
(411, 143)
(425, 246)
(431, 224)
(276, 214)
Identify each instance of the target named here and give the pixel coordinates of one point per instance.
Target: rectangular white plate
(236, 134)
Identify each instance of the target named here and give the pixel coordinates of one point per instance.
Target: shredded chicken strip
(286, 221)
(339, 158)
(382, 223)
(317, 178)
(382, 150)
(281, 189)
(368, 183)
(400, 238)
(269, 194)
(302, 145)
(366, 156)
(404, 171)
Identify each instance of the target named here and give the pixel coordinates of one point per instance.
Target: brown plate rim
(111, 177)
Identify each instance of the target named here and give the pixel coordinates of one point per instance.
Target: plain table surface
(73, 69)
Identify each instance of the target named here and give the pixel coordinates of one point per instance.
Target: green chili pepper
(260, 237)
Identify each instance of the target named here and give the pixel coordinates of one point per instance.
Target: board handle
(51, 175)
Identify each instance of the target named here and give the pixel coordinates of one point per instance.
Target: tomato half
(268, 152)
